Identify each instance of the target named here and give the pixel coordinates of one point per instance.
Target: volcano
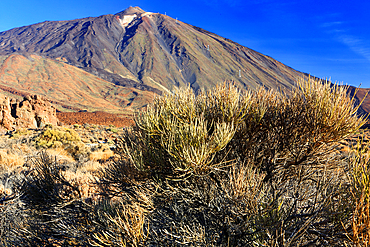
(120, 62)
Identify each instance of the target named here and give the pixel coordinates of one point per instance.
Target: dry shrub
(129, 203)
(179, 135)
(82, 181)
(12, 219)
(9, 161)
(62, 208)
(56, 137)
(244, 184)
(20, 132)
(358, 227)
(259, 168)
(46, 184)
(345, 149)
(84, 177)
(296, 131)
(126, 226)
(54, 208)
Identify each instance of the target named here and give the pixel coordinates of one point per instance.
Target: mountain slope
(147, 52)
(67, 86)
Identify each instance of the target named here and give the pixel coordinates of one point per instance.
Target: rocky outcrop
(6, 119)
(31, 112)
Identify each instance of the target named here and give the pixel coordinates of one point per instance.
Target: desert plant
(101, 155)
(180, 134)
(125, 225)
(12, 218)
(296, 131)
(202, 153)
(20, 132)
(45, 185)
(61, 138)
(53, 138)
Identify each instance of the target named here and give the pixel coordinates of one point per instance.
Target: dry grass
(10, 161)
(83, 181)
(84, 177)
(345, 149)
(359, 229)
(245, 184)
(4, 191)
(101, 155)
(360, 224)
(61, 154)
(90, 167)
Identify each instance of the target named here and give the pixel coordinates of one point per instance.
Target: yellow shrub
(54, 138)
(20, 132)
(61, 138)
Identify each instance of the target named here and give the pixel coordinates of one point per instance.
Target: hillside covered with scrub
(220, 168)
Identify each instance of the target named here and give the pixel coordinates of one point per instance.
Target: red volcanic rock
(6, 119)
(32, 112)
(98, 118)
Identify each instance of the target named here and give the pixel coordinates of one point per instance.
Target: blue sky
(328, 39)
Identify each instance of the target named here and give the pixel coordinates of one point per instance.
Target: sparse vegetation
(54, 138)
(223, 168)
(113, 130)
(61, 138)
(20, 132)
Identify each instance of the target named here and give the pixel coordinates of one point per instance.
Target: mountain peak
(131, 11)
(128, 57)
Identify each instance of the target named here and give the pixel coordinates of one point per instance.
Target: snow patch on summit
(147, 14)
(127, 19)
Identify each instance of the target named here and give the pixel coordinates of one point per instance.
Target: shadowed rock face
(147, 53)
(32, 112)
